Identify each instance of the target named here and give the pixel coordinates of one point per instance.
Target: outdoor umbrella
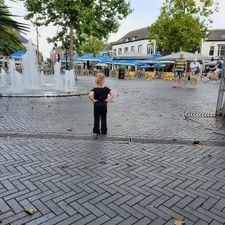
(17, 55)
(187, 56)
(144, 66)
(158, 65)
(88, 58)
(101, 64)
(104, 59)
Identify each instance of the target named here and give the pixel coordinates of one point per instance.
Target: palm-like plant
(6, 23)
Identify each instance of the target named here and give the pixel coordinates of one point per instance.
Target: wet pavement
(145, 171)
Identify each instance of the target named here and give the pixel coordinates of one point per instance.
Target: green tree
(8, 26)
(93, 46)
(182, 25)
(78, 17)
(9, 45)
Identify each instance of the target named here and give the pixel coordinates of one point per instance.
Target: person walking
(180, 67)
(100, 95)
(194, 72)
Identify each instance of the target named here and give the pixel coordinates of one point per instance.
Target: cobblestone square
(145, 171)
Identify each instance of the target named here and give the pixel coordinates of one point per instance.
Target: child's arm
(91, 96)
(111, 95)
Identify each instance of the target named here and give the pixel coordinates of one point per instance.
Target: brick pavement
(145, 172)
(141, 108)
(104, 182)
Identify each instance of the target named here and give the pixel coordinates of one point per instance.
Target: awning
(17, 55)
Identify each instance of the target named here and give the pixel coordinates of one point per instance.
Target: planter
(121, 74)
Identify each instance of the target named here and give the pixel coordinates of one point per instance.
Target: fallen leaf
(30, 211)
(197, 143)
(69, 129)
(179, 222)
(13, 210)
(210, 154)
(63, 166)
(129, 165)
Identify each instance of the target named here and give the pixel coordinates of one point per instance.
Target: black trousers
(100, 114)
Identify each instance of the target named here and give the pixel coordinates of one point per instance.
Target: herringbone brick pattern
(141, 108)
(101, 182)
(72, 179)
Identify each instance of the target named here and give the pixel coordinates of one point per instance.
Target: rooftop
(216, 35)
(135, 35)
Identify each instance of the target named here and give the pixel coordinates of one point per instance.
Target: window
(150, 49)
(139, 48)
(114, 52)
(127, 39)
(221, 50)
(222, 36)
(125, 49)
(119, 51)
(132, 48)
(211, 51)
(134, 38)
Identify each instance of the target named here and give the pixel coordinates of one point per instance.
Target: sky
(145, 12)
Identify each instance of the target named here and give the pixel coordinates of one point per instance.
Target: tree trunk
(71, 45)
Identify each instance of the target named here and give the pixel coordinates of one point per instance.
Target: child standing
(100, 95)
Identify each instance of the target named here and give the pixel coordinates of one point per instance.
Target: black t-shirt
(101, 94)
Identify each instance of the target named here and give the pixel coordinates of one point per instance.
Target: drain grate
(199, 115)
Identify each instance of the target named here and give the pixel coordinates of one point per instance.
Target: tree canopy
(182, 25)
(75, 18)
(93, 46)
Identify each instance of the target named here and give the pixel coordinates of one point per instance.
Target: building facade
(137, 42)
(214, 44)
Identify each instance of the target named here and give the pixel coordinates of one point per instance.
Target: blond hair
(100, 79)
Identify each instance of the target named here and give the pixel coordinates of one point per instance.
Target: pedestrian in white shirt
(194, 71)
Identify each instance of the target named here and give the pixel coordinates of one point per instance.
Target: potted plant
(121, 70)
(106, 71)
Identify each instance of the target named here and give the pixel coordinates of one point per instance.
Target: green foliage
(9, 31)
(93, 46)
(8, 45)
(93, 18)
(197, 8)
(181, 25)
(121, 68)
(106, 69)
(49, 61)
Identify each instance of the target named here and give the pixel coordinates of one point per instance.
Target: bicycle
(209, 75)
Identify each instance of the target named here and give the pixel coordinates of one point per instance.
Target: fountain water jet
(32, 83)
